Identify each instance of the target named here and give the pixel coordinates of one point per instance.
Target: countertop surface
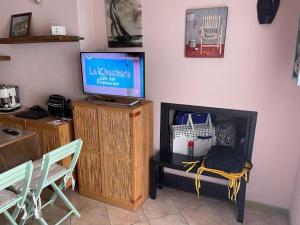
(7, 139)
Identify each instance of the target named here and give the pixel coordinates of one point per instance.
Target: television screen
(113, 73)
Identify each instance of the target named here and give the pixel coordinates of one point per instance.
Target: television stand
(114, 100)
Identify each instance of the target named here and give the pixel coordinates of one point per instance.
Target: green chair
(46, 172)
(8, 199)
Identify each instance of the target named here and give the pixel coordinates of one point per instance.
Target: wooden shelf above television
(40, 39)
(4, 58)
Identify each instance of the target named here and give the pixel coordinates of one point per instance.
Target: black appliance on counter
(59, 106)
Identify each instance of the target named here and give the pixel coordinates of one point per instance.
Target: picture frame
(206, 32)
(124, 23)
(20, 25)
(296, 65)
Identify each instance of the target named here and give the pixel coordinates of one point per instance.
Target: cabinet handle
(135, 114)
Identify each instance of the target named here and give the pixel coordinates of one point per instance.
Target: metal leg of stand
(161, 175)
(153, 180)
(241, 202)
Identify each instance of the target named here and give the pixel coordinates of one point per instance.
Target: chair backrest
(211, 22)
(22, 172)
(72, 148)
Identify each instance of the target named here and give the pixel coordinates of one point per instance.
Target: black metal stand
(158, 178)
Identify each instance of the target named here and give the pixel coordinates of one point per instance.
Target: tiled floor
(172, 207)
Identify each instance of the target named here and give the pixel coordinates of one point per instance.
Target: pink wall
(295, 198)
(46, 68)
(254, 75)
(91, 24)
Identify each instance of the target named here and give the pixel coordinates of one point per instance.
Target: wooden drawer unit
(49, 136)
(114, 164)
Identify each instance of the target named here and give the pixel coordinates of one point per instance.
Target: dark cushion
(227, 159)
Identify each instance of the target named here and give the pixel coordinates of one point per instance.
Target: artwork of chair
(212, 31)
(46, 172)
(8, 199)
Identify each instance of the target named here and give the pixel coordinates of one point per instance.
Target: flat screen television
(113, 73)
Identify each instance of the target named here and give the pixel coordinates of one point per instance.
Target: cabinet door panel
(117, 176)
(116, 132)
(86, 127)
(89, 172)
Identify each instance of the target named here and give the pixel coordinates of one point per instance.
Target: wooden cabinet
(49, 136)
(117, 145)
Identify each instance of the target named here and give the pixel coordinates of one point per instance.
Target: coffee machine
(9, 98)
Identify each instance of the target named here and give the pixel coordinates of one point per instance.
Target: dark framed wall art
(124, 23)
(20, 25)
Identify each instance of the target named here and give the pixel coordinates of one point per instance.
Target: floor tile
(3, 220)
(83, 203)
(95, 216)
(225, 210)
(211, 201)
(250, 216)
(172, 207)
(164, 191)
(258, 222)
(185, 201)
(142, 223)
(161, 206)
(52, 214)
(277, 219)
(203, 216)
(118, 216)
(174, 219)
(263, 211)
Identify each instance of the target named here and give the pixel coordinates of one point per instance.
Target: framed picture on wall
(296, 67)
(20, 25)
(206, 32)
(124, 23)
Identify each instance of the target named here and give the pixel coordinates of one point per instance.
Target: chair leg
(54, 196)
(201, 44)
(29, 210)
(16, 213)
(65, 199)
(42, 221)
(9, 218)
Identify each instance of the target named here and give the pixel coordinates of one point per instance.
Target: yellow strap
(191, 164)
(233, 178)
